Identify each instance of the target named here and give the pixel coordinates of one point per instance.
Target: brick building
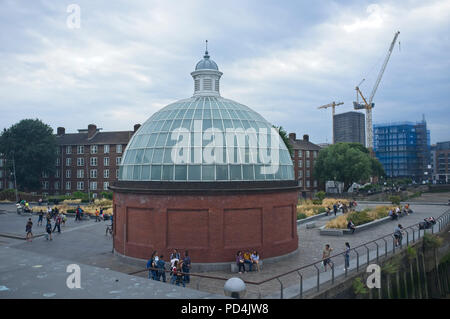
(88, 161)
(441, 162)
(304, 158)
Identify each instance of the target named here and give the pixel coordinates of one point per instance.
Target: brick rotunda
(208, 175)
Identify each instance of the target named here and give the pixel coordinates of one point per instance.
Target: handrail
(444, 217)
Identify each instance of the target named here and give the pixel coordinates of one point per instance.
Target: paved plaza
(38, 269)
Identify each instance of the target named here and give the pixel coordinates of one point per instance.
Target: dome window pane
(180, 172)
(194, 172)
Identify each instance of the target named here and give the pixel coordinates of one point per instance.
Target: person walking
(41, 217)
(398, 235)
(173, 273)
(57, 224)
(326, 256)
(180, 274)
(186, 267)
(151, 265)
(48, 229)
(97, 215)
(335, 208)
(28, 230)
(347, 256)
(78, 213)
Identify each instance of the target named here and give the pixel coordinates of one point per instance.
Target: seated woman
(255, 259)
(240, 262)
(248, 260)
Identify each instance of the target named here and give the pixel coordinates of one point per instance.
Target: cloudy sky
(130, 58)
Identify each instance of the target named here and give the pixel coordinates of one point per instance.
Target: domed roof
(206, 63)
(206, 138)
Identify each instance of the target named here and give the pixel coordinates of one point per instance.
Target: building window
(300, 174)
(300, 182)
(1, 184)
(106, 149)
(57, 173)
(58, 161)
(93, 186)
(118, 148)
(94, 149)
(93, 161)
(308, 184)
(56, 185)
(308, 164)
(106, 161)
(207, 84)
(307, 173)
(68, 173)
(80, 161)
(197, 85)
(106, 173)
(300, 153)
(1, 173)
(44, 174)
(80, 186)
(80, 173)
(68, 161)
(80, 149)
(118, 160)
(45, 185)
(68, 185)
(93, 173)
(300, 163)
(307, 154)
(2, 161)
(105, 186)
(315, 183)
(68, 149)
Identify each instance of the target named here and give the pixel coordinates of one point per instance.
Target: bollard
(235, 288)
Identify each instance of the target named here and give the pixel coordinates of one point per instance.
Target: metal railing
(381, 246)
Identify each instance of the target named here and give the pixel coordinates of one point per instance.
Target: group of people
(342, 207)
(179, 268)
(249, 258)
(399, 212)
(58, 217)
(326, 256)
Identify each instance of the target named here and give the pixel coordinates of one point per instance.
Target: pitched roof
(119, 137)
(304, 145)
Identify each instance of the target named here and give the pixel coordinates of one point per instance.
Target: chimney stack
(60, 131)
(306, 138)
(136, 127)
(292, 136)
(92, 129)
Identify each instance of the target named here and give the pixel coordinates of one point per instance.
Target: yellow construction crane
(368, 105)
(332, 105)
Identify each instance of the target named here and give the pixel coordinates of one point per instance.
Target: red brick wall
(211, 227)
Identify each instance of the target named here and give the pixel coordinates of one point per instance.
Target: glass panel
(194, 172)
(156, 172)
(158, 155)
(161, 141)
(222, 172)
(208, 172)
(137, 172)
(145, 174)
(235, 172)
(180, 172)
(152, 140)
(167, 156)
(167, 174)
(248, 173)
(147, 156)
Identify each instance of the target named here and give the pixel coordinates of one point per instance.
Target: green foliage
(285, 137)
(301, 216)
(346, 162)
(32, 145)
(431, 241)
(391, 267)
(411, 253)
(71, 211)
(321, 195)
(358, 287)
(395, 200)
(317, 202)
(56, 199)
(360, 218)
(321, 210)
(107, 195)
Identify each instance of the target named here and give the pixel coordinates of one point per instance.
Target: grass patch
(362, 217)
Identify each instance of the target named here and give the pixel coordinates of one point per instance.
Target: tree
(32, 146)
(345, 162)
(285, 137)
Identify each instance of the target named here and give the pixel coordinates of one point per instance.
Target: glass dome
(206, 138)
(149, 157)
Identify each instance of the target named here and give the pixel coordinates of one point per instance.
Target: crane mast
(368, 105)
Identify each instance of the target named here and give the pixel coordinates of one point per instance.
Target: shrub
(395, 200)
(360, 218)
(317, 202)
(107, 195)
(339, 222)
(301, 216)
(432, 241)
(358, 287)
